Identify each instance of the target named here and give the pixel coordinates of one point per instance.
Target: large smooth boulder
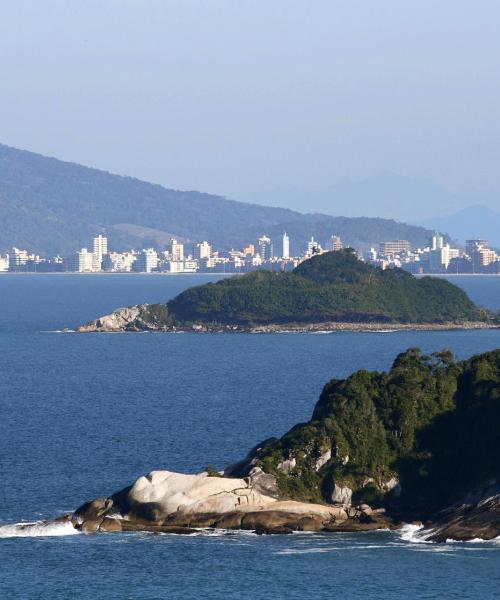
(164, 500)
(166, 493)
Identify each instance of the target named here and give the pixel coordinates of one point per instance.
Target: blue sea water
(84, 415)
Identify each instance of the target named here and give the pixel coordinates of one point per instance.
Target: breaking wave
(37, 529)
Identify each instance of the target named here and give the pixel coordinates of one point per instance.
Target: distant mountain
(384, 195)
(50, 206)
(471, 222)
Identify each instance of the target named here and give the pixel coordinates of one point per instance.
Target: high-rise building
(82, 261)
(437, 241)
(480, 253)
(249, 250)
(147, 261)
(202, 250)
(17, 259)
(313, 247)
(176, 250)
(336, 243)
(100, 246)
(100, 251)
(472, 246)
(286, 246)
(439, 258)
(119, 261)
(266, 250)
(394, 247)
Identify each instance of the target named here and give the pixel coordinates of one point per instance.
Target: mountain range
(390, 195)
(50, 206)
(468, 223)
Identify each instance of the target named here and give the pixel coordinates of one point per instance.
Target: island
(419, 443)
(331, 291)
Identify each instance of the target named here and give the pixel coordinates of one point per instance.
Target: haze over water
(84, 415)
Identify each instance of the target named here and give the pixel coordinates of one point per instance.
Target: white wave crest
(410, 533)
(37, 529)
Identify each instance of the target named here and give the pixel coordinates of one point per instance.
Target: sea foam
(37, 529)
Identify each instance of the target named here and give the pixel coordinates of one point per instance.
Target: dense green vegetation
(50, 206)
(432, 423)
(334, 286)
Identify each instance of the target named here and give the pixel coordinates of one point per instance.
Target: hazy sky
(238, 97)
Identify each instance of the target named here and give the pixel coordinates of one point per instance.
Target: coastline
(332, 326)
(126, 321)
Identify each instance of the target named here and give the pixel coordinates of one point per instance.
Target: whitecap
(37, 529)
(410, 533)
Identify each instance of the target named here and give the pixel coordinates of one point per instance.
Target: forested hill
(334, 286)
(50, 207)
(420, 435)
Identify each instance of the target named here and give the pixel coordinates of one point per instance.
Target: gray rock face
(264, 483)
(477, 517)
(323, 459)
(392, 485)
(122, 319)
(287, 466)
(341, 495)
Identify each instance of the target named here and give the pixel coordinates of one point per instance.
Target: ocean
(84, 415)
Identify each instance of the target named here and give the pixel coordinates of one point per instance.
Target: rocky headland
(418, 443)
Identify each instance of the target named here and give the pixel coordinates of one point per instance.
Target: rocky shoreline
(176, 503)
(132, 319)
(169, 502)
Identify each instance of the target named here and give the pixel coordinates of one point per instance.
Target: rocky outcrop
(476, 517)
(122, 319)
(168, 502)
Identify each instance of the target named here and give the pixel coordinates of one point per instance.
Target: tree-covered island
(333, 290)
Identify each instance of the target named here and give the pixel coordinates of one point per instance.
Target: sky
(281, 102)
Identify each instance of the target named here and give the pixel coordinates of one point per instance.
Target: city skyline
(438, 257)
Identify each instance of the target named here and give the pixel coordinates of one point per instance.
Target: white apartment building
(440, 257)
(182, 266)
(82, 261)
(176, 250)
(313, 247)
(437, 241)
(202, 250)
(100, 251)
(119, 261)
(17, 258)
(147, 261)
(394, 247)
(266, 250)
(4, 263)
(336, 243)
(286, 246)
